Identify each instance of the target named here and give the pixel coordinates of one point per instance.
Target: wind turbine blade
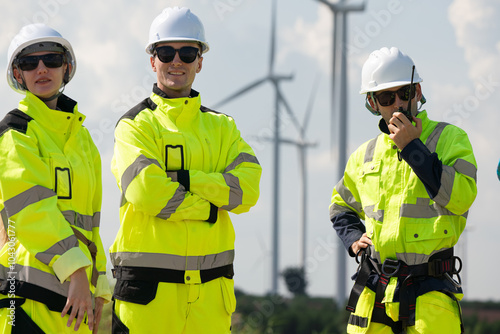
(310, 104)
(288, 108)
(240, 92)
(273, 37)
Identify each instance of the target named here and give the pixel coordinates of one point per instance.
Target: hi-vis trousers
(204, 308)
(35, 318)
(435, 312)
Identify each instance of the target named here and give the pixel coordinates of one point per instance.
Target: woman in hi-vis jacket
(52, 263)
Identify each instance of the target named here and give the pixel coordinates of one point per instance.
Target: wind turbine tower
(275, 80)
(340, 10)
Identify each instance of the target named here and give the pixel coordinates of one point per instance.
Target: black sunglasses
(51, 60)
(388, 98)
(187, 54)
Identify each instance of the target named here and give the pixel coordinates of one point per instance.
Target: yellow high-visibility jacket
(50, 203)
(403, 220)
(181, 168)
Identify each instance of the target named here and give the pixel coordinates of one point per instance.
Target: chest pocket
(175, 151)
(61, 175)
(370, 182)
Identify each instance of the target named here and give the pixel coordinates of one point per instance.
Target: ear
(17, 75)
(418, 94)
(200, 61)
(372, 103)
(153, 64)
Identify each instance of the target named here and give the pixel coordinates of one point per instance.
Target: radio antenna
(411, 91)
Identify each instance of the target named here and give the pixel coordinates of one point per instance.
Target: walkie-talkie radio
(407, 112)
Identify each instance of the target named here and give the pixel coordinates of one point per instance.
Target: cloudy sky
(455, 45)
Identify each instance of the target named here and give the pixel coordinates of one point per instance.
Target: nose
(399, 103)
(177, 58)
(41, 67)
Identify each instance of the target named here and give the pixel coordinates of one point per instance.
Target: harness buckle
(390, 267)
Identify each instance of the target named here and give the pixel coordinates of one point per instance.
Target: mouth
(43, 81)
(176, 73)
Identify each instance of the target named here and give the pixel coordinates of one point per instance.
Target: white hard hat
(176, 24)
(387, 68)
(33, 38)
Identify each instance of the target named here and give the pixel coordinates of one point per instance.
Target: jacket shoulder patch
(144, 104)
(16, 120)
(205, 109)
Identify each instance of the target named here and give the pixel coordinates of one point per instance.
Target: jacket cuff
(183, 178)
(102, 289)
(69, 262)
(212, 219)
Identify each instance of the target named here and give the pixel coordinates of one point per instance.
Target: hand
(363, 242)
(99, 302)
(402, 130)
(79, 300)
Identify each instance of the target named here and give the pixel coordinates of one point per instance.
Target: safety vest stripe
(423, 209)
(35, 276)
(466, 168)
(58, 248)
(412, 259)
(336, 209)
(33, 195)
(377, 215)
(85, 222)
(170, 261)
(173, 203)
(433, 138)
(447, 179)
(370, 150)
(235, 192)
(408, 258)
(347, 196)
(242, 157)
(134, 169)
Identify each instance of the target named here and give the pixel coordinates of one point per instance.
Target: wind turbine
(302, 146)
(275, 80)
(340, 10)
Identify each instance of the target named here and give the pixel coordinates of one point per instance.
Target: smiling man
(181, 168)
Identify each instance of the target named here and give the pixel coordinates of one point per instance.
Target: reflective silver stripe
(82, 221)
(423, 209)
(466, 168)
(235, 192)
(134, 169)
(170, 261)
(58, 248)
(370, 150)
(412, 259)
(374, 254)
(336, 209)
(96, 219)
(173, 203)
(443, 196)
(377, 215)
(242, 157)
(347, 196)
(433, 138)
(32, 195)
(408, 258)
(37, 277)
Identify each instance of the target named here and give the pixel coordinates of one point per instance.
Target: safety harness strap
(441, 264)
(93, 252)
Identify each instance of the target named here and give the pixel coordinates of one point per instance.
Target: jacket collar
(162, 94)
(55, 120)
